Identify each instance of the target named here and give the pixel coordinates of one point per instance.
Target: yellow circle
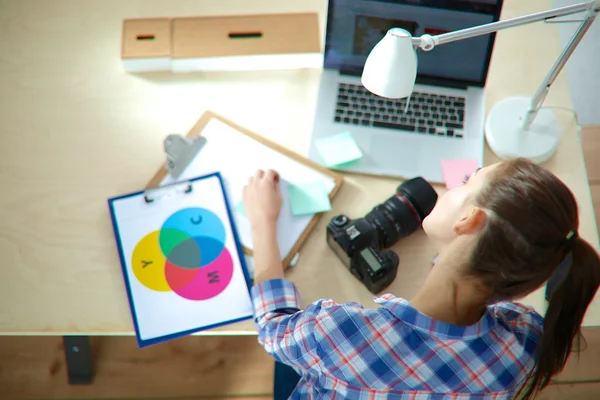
(148, 263)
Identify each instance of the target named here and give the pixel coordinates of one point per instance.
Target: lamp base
(507, 138)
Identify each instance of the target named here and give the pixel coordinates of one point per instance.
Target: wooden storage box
(146, 44)
(222, 43)
(246, 42)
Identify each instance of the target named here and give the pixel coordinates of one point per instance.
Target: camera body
(355, 243)
(360, 243)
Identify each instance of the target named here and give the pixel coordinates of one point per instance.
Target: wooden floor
(193, 367)
(197, 367)
(211, 367)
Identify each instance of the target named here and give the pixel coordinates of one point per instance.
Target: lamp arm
(592, 8)
(428, 42)
(540, 95)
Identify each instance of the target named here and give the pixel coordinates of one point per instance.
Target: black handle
(245, 35)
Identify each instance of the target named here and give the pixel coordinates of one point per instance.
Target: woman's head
(510, 226)
(511, 221)
(443, 225)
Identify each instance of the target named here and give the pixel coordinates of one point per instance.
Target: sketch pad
(181, 258)
(236, 153)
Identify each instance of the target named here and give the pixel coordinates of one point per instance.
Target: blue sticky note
(308, 198)
(338, 149)
(239, 207)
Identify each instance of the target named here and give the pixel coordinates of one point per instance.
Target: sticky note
(454, 171)
(338, 149)
(308, 198)
(239, 207)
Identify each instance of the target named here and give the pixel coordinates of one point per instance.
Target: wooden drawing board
(252, 151)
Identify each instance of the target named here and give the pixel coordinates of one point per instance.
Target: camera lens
(403, 213)
(420, 194)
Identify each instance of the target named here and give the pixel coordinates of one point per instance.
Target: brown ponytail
(528, 239)
(567, 306)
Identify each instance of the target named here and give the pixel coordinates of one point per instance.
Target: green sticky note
(338, 149)
(308, 198)
(239, 207)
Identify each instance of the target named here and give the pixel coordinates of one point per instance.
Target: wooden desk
(77, 130)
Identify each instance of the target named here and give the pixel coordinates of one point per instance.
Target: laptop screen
(355, 26)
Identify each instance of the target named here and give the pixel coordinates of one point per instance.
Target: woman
(500, 236)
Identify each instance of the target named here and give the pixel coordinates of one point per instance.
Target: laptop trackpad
(394, 152)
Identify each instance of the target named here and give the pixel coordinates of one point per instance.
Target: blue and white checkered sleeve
(285, 331)
(274, 295)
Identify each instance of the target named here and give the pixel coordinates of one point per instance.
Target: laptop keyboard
(427, 113)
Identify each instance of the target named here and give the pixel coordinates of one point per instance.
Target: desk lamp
(516, 126)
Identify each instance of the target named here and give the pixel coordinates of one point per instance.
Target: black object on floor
(78, 355)
(285, 381)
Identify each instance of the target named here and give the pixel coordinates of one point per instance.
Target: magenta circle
(209, 280)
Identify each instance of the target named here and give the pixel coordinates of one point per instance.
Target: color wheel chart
(187, 256)
(181, 259)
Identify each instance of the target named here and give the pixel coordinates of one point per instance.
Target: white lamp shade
(391, 67)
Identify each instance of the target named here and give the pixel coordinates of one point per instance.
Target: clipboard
(196, 133)
(181, 258)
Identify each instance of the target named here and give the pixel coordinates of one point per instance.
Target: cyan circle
(168, 239)
(187, 254)
(197, 222)
(209, 248)
(202, 225)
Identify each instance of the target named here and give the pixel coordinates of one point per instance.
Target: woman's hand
(262, 202)
(262, 199)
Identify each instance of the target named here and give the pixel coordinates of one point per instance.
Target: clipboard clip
(167, 191)
(181, 151)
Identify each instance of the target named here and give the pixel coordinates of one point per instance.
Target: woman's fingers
(272, 175)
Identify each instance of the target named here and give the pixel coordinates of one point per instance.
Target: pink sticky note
(454, 171)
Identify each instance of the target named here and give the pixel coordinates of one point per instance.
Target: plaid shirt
(344, 351)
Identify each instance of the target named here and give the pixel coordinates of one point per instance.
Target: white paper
(237, 157)
(161, 313)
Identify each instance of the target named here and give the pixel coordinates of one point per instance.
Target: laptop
(445, 116)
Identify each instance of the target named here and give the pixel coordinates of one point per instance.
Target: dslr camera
(359, 243)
